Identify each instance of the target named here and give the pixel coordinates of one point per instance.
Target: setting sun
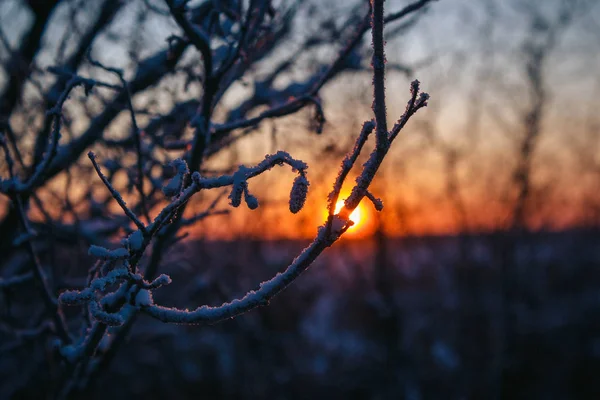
(357, 215)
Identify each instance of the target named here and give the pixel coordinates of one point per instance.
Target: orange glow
(362, 216)
(357, 215)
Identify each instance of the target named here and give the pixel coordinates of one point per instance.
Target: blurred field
(382, 318)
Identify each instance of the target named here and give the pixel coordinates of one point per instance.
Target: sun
(356, 216)
(362, 217)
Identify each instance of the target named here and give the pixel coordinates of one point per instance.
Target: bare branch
(115, 194)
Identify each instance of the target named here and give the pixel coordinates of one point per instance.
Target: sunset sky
(470, 58)
(452, 168)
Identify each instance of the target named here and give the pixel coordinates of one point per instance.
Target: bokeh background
(479, 279)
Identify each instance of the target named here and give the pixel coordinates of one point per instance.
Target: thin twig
(115, 194)
(50, 301)
(139, 183)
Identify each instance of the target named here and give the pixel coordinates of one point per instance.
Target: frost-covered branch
(335, 225)
(378, 64)
(251, 300)
(15, 185)
(297, 102)
(347, 165)
(138, 240)
(235, 40)
(136, 131)
(115, 194)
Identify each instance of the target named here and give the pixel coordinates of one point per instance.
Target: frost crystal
(136, 240)
(109, 319)
(144, 298)
(75, 298)
(162, 280)
(104, 253)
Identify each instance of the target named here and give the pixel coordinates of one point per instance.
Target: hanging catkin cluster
(298, 193)
(251, 201)
(237, 190)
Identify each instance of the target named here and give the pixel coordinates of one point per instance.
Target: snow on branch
(15, 185)
(377, 202)
(347, 165)
(261, 297)
(91, 295)
(136, 130)
(106, 254)
(115, 194)
(108, 292)
(335, 225)
(175, 185)
(139, 239)
(119, 285)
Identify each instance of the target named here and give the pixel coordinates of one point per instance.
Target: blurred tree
(155, 114)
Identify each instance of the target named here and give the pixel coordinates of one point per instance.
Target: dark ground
(478, 317)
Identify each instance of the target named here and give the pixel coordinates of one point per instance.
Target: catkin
(298, 193)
